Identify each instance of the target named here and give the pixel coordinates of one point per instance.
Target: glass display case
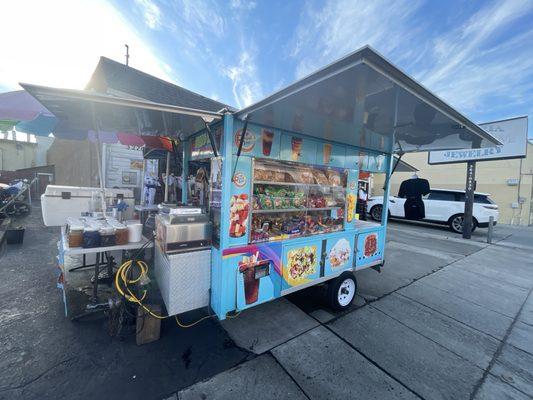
(292, 200)
(215, 196)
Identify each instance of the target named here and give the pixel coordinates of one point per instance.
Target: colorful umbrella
(21, 111)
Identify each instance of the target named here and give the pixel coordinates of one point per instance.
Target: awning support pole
(166, 176)
(99, 158)
(168, 160)
(394, 139)
(241, 143)
(211, 138)
(386, 187)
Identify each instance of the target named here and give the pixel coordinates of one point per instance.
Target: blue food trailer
(284, 178)
(283, 173)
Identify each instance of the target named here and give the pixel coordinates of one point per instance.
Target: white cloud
(243, 5)
(59, 43)
(202, 16)
(343, 26)
(245, 84)
(466, 43)
(483, 65)
(151, 13)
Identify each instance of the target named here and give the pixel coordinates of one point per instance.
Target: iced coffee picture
(252, 270)
(326, 153)
(267, 137)
(296, 148)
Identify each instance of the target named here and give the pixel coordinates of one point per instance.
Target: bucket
(135, 232)
(15, 236)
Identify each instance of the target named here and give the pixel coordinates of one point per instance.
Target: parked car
(442, 206)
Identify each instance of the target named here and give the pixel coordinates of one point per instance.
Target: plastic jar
(107, 236)
(75, 236)
(121, 235)
(91, 237)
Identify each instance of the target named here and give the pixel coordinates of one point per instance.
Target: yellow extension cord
(122, 275)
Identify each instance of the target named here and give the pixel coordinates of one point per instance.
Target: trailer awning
(404, 166)
(74, 110)
(361, 100)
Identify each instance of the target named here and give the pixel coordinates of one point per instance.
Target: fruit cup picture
(239, 210)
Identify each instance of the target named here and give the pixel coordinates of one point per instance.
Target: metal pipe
(491, 229)
(166, 176)
(99, 158)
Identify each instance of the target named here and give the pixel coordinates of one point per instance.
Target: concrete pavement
(446, 319)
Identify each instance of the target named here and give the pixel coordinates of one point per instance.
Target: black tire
(376, 212)
(456, 223)
(342, 291)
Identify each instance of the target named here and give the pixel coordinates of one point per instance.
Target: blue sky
(476, 55)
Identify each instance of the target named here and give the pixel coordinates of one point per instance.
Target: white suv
(442, 206)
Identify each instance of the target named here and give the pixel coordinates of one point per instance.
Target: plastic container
(91, 237)
(107, 236)
(75, 236)
(121, 235)
(135, 231)
(15, 236)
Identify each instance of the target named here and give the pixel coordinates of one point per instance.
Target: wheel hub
(346, 292)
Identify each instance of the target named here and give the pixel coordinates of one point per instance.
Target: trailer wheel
(341, 291)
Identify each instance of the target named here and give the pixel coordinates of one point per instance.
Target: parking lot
(445, 319)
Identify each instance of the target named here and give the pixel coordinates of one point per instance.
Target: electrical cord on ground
(122, 283)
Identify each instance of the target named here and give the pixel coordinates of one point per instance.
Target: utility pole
(127, 54)
(469, 198)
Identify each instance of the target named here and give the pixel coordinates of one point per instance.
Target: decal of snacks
(301, 263)
(340, 254)
(371, 245)
(239, 211)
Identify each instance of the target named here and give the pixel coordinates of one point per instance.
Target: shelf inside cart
(295, 210)
(298, 184)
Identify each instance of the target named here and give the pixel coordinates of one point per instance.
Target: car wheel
(376, 212)
(341, 291)
(456, 223)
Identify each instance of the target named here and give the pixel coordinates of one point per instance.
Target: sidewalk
(447, 319)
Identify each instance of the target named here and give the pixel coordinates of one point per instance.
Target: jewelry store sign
(511, 132)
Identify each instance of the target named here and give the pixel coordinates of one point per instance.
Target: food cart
(283, 180)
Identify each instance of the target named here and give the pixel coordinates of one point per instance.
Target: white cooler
(60, 202)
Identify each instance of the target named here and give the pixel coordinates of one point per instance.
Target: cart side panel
(217, 282)
(252, 275)
(339, 254)
(301, 262)
(370, 248)
(240, 202)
